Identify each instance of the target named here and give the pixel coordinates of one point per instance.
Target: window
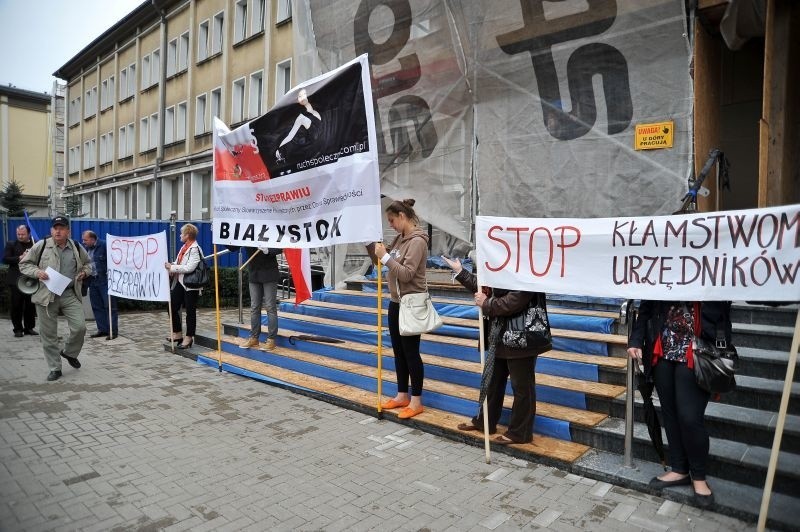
(169, 125)
(284, 11)
(144, 134)
(75, 111)
(202, 41)
(172, 57)
(283, 80)
(74, 159)
(131, 80)
(257, 24)
(216, 103)
(200, 125)
(90, 102)
(180, 122)
(216, 37)
(256, 93)
(104, 94)
(153, 130)
(183, 52)
(106, 147)
(123, 83)
(145, 71)
(89, 148)
(237, 101)
(155, 64)
(126, 140)
(240, 21)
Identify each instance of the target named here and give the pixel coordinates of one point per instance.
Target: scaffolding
(57, 142)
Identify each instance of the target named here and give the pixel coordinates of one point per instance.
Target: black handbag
(199, 277)
(715, 363)
(530, 329)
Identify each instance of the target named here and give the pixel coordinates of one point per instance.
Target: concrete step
(730, 460)
(765, 363)
(772, 337)
(761, 394)
(782, 316)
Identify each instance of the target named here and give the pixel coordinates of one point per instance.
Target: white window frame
(75, 159)
(89, 148)
(172, 57)
(284, 11)
(201, 114)
(75, 111)
(123, 83)
(146, 69)
(155, 67)
(183, 52)
(258, 16)
(144, 134)
(256, 101)
(153, 130)
(215, 105)
(239, 21)
(237, 100)
(132, 79)
(283, 78)
(180, 121)
(90, 103)
(122, 138)
(203, 40)
(169, 125)
(217, 33)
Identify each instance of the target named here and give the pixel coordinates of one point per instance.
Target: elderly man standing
(61, 254)
(98, 287)
(23, 313)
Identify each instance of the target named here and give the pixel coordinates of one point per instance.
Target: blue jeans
(98, 296)
(265, 294)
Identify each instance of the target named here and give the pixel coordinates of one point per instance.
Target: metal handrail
(627, 318)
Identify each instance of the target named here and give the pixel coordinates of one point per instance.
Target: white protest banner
(305, 174)
(743, 255)
(136, 267)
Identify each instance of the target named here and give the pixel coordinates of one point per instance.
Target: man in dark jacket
(23, 312)
(263, 276)
(97, 283)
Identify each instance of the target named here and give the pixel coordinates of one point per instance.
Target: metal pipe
(627, 319)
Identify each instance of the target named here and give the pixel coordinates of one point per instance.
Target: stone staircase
(579, 424)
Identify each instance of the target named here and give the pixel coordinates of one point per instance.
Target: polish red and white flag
(299, 261)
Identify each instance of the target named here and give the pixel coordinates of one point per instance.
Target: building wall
(220, 58)
(24, 145)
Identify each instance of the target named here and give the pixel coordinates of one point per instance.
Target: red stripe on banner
(299, 261)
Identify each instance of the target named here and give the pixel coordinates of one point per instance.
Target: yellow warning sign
(654, 136)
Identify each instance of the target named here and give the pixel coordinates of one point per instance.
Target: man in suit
(23, 313)
(98, 288)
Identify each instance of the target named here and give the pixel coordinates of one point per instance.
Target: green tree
(11, 199)
(73, 206)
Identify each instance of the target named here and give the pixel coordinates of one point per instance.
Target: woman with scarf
(188, 258)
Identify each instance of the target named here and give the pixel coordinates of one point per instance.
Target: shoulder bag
(530, 329)
(417, 315)
(715, 363)
(197, 278)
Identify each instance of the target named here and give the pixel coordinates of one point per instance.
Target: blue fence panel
(125, 228)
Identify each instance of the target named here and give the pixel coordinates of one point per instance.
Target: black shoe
(111, 336)
(18, 334)
(185, 345)
(74, 362)
(658, 484)
(54, 375)
(31, 332)
(703, 501)
(98, 334)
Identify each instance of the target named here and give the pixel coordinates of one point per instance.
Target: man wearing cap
(23, 313)
(60, 253)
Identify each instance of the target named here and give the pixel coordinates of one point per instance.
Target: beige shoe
(251, 342)
(269, 345)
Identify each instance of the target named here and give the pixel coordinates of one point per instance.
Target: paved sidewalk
(140, 439)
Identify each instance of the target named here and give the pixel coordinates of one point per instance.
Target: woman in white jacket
(188, 259)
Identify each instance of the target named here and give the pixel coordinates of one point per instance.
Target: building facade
(141, 98)
(25, 154)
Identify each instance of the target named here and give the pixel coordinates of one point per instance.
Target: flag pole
(776, 443)
(380, 339)
(485, 405)
(171, 336)
(216, 298)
